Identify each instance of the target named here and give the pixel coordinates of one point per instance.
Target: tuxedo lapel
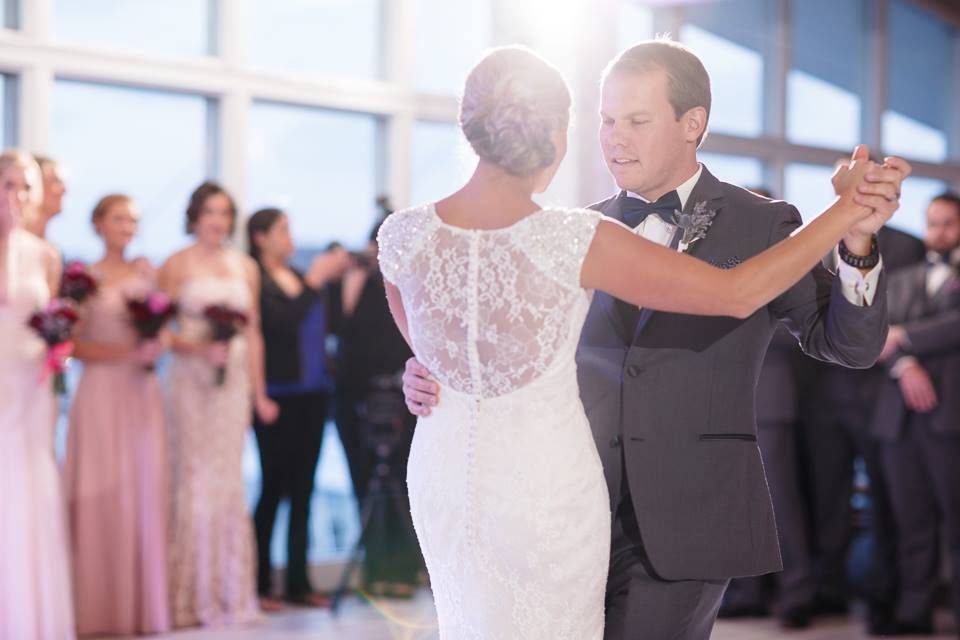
(708, 189)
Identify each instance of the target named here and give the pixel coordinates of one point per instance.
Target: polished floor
(392, 620)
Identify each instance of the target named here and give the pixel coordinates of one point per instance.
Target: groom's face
(642, 139)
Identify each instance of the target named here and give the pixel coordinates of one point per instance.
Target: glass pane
(919, 90)
(635, 23)
(4, 113)
(441, 161)
(729, 38)
(916, 195)
(325, 37)
(319, 166)
(827, 75)
(443, 55)
(742, 171)
(808, 188)
(149, 145)
(171, 27)
(8, 14)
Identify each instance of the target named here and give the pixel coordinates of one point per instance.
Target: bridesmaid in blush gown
(212, 556)
(115, 475)
(34, 568)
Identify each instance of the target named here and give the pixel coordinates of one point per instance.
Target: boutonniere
(695, 223)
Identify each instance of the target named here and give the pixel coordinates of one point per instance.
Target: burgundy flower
(77, 283)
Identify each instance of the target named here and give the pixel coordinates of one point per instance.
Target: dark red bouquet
(77, 283)
(225, 322)
(55, 326)
(150, 314)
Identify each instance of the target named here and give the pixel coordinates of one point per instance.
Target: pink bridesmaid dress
(35, 601)
(116, 481)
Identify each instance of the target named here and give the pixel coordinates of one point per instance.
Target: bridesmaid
(116, 464)
(212, 557)
(35, 598)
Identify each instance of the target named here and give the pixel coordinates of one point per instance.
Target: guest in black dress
(294, 319)
(371, 349)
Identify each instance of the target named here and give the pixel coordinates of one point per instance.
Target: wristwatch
(868, 261)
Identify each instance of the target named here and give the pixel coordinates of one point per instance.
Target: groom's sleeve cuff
(858, 289)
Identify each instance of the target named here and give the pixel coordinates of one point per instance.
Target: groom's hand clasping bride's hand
(419, 389)
(881, 193)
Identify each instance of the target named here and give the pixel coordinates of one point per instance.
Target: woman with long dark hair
(294, 321)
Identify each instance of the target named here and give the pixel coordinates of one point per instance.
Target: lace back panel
(488, 311)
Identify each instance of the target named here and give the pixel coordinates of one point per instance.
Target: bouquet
(55, 325)
(225, 323)
(149, 315)
(77, 283)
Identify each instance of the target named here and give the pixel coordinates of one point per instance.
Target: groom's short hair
(689, 82)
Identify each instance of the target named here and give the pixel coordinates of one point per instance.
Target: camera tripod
(382, 423)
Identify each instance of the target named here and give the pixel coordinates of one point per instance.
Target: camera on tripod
(383, 421)
(382, 414)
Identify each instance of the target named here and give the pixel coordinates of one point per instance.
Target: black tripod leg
(354, 561)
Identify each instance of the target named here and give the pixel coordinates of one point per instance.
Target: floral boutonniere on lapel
(694, 224)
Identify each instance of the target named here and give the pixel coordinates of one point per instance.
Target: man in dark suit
(917, 417)
(670, 397)
(836, 425)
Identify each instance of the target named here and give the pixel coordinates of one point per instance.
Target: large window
(149, 145)
(808, 188)
(441, 161)
(319, 166)
(729, 37)
(443, 53)
(920, 83)
(826, 76)
(170, 27)
(635, 23)
(322, 37)
(916, 195)
(8, 14)
(739, 170)
(8, 95)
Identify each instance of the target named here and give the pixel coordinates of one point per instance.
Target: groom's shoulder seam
(739, 196)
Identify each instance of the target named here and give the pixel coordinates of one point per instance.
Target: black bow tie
(633, 211)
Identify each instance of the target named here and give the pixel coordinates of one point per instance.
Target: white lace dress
(506, 488)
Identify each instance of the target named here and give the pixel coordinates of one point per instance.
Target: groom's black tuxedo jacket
(678, 395)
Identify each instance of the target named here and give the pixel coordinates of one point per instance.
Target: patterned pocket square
(729, 263)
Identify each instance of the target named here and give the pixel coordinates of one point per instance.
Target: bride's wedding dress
(506, 488)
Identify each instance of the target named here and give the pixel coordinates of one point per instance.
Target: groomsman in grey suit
(670, 397)
(836, 425)
(918, 417)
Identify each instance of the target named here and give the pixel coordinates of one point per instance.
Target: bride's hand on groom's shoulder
(419, 389)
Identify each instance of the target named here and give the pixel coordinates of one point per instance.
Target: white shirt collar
(683, 191)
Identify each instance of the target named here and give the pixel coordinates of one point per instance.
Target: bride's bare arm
(631, 268)
(396, 308)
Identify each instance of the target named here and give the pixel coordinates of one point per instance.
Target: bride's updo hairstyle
(513, 102)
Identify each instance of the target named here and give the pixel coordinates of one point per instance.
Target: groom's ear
(694, 123)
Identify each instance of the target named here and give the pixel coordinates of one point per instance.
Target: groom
(670, 397)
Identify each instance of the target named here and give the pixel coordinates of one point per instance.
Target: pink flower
(158, 302)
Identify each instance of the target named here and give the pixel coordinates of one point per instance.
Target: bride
(491, 291)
